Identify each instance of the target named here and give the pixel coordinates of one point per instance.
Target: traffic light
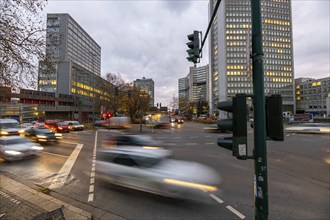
(274, 117)
(237, 124)
(193, 52)
(109, 115)
(116, 91)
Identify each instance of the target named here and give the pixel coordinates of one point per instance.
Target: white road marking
(58, 155)
(209, 143)
(65, 170)
(216, 198)
(92, 178)
(240, 215)
(190, 143)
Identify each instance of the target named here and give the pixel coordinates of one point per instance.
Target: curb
(42, 200)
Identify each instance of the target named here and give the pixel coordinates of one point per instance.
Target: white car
(316, 128)
(151, 170)
(75, 126)
(17, 148)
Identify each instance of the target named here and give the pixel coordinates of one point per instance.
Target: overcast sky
(148, 38)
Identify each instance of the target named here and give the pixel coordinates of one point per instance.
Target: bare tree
(22, 41)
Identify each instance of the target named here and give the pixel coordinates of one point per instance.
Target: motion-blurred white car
(17, 148)
(315, 128)
(150, 169)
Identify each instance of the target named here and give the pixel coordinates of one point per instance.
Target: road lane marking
(92, 178)
(240, 215)
(190, 143)
(216, 198)
(66, 168)
(58, 155)
(209, 143)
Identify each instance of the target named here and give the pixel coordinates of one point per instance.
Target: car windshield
(74, 123)
(62, 124)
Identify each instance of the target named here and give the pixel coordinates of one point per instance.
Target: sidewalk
(25, 201)
(18, 201)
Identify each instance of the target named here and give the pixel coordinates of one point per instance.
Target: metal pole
(260, 146)
(93, 121)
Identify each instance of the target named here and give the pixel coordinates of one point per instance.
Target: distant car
(179, 120)
(313, 128)
(75, 126)
(202, 117)
(57, 126)
(24, 126)
(162, 124)
(131, 140)
(42, 134)
(16, 148)
(9, 127)
(153, 171)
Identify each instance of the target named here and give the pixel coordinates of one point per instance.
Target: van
(119, 122)
(9, 127)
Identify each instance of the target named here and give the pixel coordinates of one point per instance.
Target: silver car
(17, 148)
(150, 169)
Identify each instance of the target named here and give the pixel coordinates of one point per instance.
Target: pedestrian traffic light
(193, 52)
(274, 117)
(237, 124)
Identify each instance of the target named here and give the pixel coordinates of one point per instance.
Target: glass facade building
(148, 86)
(231, 45)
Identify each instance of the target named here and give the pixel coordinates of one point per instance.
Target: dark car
(131, 140)
(179, 120)
(57, 126)
(42, 134)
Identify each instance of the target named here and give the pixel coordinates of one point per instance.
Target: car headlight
(12, 152)
(60, 128)
(190, 184)
(37, 148)
(41, 136)
(21, 131)
(82, 126)
(58, 135)
(4, 132)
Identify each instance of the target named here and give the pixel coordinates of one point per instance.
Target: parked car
(75, 126)
(313, 128)
(16, 148)
(153, 171)
(131, 140)
(42, 134)
(57, 126)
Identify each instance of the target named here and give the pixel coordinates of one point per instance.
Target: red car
(57, 126)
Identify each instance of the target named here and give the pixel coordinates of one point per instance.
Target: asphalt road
(298, 176)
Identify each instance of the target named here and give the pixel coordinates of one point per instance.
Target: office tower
(194, 88)
(230, 49)
(73, 65)
(148, 86)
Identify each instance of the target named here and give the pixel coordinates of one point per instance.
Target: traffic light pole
(260, 146)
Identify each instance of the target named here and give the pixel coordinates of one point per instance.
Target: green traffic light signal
(237, 124)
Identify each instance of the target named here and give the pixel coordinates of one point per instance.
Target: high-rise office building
(148, 86)
(73, 64)
(230, 49)
(194, 88)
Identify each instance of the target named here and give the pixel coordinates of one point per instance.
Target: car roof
(139, 151)
(11, 137)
